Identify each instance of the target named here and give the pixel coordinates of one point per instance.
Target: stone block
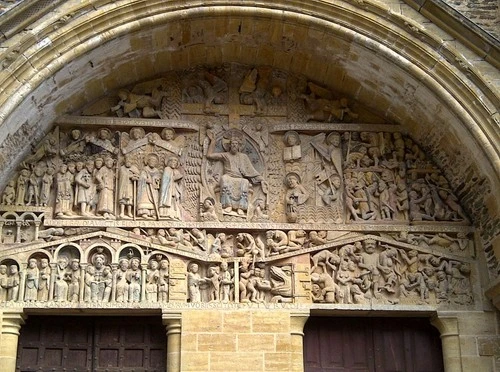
(488, 346)
(277, 361)
(236, 321)
(284, 343)
(476, 323)
(483, 364)
(242, 361)
(201, 321)
(270, 322)
(195, 361)
(217, 342)
(468, 345)
(189, 342)
(256, 342)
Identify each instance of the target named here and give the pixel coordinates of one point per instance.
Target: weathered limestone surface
(236, 265)
(249, 340)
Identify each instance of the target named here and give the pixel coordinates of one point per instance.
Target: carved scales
(198, 187)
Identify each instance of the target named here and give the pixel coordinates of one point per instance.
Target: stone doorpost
(172, 322)
(297, 321)
(12, 320)
(447, 324)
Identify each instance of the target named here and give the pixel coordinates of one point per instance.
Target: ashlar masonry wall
(242, 340)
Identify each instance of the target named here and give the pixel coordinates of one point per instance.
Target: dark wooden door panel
(330, 346)
(80, 344)
(371, 345)
(55, 344)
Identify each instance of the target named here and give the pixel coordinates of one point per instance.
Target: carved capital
(172, 321)
(297, 321)
(12, 320)
(446, 323)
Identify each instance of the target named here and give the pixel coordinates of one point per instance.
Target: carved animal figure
(281, 281)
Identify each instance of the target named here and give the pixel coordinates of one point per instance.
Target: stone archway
(215, 80)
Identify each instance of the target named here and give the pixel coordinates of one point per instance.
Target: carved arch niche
(232, 184)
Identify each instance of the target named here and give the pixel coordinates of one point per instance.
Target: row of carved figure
(363, 176)
(351, 274)
(241, 244)
(67, 280)
(385, 177)
(260, 87)
(366, 270)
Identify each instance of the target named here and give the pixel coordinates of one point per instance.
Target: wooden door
(112, 344)
(371, 345)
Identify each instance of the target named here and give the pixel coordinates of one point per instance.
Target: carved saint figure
(64, 192)
(292, 150)
(90, 291)
(127, 188)
(152, 279)
(77, 144)
(31, 280)
(22, 186)
(212, 280)
(99, 279)
(163, 281)
(61, 282)
(44, 280)
(34, 187)
(134, 280)
(238, 173)
(74, 280)
(102, 142)
(83, 187)
(226, 281)
(147, 188)
(122, 285)
(296, 195)
(46, 186)
(105, 178)
(193, 282)
(13, 283)
(208, 210)
(4, 278)
(170, 190)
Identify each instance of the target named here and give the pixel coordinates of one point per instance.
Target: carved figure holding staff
(170, 191)
(127, 188)
(105, 178)
(147, 188)
(64, 193)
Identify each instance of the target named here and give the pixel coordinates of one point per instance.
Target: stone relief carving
(238, 174)
(329, 177)
(321, 106)
(371, 270)
(362, 271)
(222, 200)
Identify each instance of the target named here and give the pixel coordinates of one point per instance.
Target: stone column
(144, 274)
(18, 231)
(11, 324)
(447, 324)
(172, 322)
(297, 321)
(1, 231)
(37, 229)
